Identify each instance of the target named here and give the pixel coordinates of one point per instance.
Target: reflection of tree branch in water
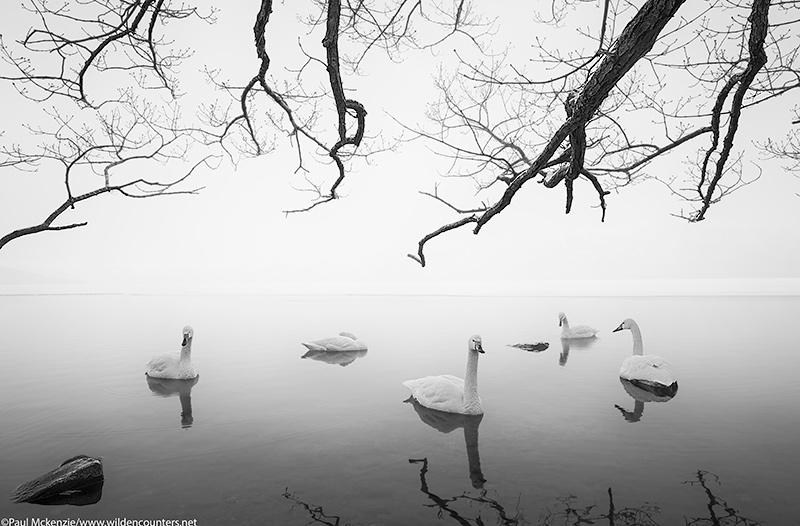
(565, 513)
(444, 504)
(643, 516)
(316, 512)
(731, 517)
(577, 516)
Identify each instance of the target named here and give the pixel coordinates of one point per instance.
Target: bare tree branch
(759, 25)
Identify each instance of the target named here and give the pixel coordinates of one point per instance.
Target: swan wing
(443, 393)
(163, 365)
(649, 369)
(336, 343)
(357, 345)
(582, 331)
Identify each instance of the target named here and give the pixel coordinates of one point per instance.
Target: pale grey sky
(234, 230)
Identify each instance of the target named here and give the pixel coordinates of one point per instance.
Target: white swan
(645, 370)
(448, 393)
(578, 331)
(345, 341)
(175, 365)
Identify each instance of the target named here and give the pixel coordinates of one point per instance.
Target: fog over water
(270, 430)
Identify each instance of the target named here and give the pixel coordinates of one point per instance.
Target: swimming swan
(645, 370)
(448, 393)
(578, 331)
(345, 341)
(175, 365)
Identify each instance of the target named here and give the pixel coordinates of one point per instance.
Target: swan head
(561, 318)
(627, 323)
(476, 344)
(188, 334)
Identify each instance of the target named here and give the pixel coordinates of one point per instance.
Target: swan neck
(638, 348)
(471, 400)
(186, 350)
(564, 328)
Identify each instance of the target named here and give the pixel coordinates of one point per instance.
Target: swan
(175, 365)
(345, 341)
(645, 371)
(578, 331)
(448, 393)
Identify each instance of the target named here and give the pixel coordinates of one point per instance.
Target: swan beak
(185, 340)
(619, 328)
(559, 322)
(479, 347)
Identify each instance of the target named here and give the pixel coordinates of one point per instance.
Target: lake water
(276, 439)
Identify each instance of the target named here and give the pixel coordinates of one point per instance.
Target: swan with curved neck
(645, 370)
(578, 331)
(448, 393)
(177, 366)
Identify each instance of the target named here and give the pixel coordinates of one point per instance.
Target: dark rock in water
(531, 347)
(77, 481)
(80, 497)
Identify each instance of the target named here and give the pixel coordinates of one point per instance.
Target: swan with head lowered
(646, 371)
(175, 365)
(578, 331)
(448, 393)
(345, 341)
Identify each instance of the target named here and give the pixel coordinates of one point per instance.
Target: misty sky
(235, 229)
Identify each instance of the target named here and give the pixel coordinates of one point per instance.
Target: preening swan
(449, 393)
(645, 370)
(578, 331)
(175, 365)
(345, 341)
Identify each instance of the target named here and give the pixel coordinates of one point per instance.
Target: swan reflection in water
(343, 358)
(447, 422)
(644, 393)
(167, 387)
(573, 343)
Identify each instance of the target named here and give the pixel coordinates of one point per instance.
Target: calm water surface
(276, 439)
